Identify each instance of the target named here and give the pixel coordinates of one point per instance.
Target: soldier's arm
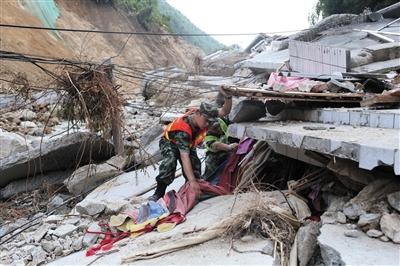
(219, 146)
(188, 170)
(226, 108)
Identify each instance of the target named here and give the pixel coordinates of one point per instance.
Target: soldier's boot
(159, 193)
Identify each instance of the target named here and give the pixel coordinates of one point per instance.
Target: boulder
(394, 200)
(307, 241)
(374, 233)
(330, 256)
(63, 153)
(12, 143)
(92, 175)
(369, 221)
(390, 226)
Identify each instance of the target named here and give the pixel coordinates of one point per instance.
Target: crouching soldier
(218, 148)
(179, 142)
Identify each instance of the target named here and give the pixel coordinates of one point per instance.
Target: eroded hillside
(141, 52)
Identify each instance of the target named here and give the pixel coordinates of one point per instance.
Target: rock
(12, 143)
(90, 239)
(394, 200)
(64, 230)
(28, 124)
(58, 251)
(48, 246)
(369, 221)
(341, 218)
(67, 252)
(90, 176)
(63, 153)
(73, 220)
(352, 233)
(268, 249)
(337, 203)
(55, 202)
(114, 207)
(53, 219)
(67, 243)
(353, 211)
(384, 238)
(40, 233)
(390, 226)
(374, 233)
(39, 256)
(333, 217)
(27, 115)
(330, 256)
(77, 244)
(307, 241)
(89, 208)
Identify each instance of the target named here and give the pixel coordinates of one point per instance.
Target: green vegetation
(325, 8)
(146, 11)
(178, 23)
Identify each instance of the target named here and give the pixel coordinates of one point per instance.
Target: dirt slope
(143, 52)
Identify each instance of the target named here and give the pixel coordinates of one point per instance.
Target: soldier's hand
(233, 146)
(225, 93)
(196, 187)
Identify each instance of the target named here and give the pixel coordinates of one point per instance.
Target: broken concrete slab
(32, 183)
(64, 153)
(369, 250)
(64, 230)
(370, 147)
(90, 176)
(247, 110)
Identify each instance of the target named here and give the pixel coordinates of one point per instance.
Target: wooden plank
(318, 59)
(379, 99)
(387, 25)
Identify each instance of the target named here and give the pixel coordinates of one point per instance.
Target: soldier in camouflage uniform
(218, 148)
(179, 142)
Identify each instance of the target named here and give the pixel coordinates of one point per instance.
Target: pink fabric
(289, 83)
(186, 197)
(245, 146)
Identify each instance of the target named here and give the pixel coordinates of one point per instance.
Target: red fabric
(108, 241)
(227, 178)
(180, 125)
(186, 197)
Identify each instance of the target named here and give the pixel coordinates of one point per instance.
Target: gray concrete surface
(370, 147)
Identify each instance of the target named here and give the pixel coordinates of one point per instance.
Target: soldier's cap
(209, 111)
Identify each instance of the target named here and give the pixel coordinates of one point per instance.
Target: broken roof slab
(370, 147)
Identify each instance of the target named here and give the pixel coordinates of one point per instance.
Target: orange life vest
(180, 125)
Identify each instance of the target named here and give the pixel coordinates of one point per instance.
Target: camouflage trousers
(215, 163)
(171, 156)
